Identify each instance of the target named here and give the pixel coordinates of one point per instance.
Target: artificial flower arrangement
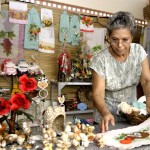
(20, 100)
(80, 64)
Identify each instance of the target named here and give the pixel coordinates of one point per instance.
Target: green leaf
(121, 137)
(2, 34)
(11, 35)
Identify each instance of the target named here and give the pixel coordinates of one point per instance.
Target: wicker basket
(134, 118)
(146, 12)
(85, 96)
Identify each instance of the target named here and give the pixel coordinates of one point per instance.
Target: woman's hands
(106, 119)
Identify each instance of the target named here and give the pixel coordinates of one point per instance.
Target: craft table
(93, 146)
(119, 125)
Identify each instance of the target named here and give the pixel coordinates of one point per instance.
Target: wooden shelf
(74, 112)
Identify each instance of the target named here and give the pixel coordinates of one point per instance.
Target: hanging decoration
(18, 12)
(64, 65)
(10, 34)
(42, 84)
(32, 29)
(46, 36)
(86, 24)
(64, 35)
(74, 30)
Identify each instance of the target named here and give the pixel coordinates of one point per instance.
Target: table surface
(93, 146)
(119, 125)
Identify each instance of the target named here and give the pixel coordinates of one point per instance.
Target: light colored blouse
(121, 78)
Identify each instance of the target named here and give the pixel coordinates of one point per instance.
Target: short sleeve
(98, 64)
(140, 52)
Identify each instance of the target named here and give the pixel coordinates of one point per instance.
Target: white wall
(133, 6)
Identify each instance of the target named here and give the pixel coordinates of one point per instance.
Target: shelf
(74, 112)
(60, 86)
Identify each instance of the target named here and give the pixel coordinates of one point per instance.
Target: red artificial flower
(4, 106)
(27, 84)
(89, 56)
(18, 101)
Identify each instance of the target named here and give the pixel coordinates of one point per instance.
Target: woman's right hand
(105, 121)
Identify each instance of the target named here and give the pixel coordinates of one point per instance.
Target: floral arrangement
(19, 100)
(80, 64)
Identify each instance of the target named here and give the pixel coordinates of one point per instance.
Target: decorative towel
(128, 138)
(64, 33)
(74, 30)
(11, 33)
(32, 30)
(96, 38)
(46, 36)
(18, 12)
(86, 24)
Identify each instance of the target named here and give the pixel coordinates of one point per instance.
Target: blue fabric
(139, 105)
(33, 18)
(74, 30)
(64, 35)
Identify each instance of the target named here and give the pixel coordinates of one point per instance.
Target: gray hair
(120, 20)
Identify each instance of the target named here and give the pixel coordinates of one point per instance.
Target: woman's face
(120, 40)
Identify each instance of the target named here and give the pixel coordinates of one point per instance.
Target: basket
(135, 118)
(85, 96)
(146, 12)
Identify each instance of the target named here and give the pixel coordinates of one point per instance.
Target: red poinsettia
(27, 84)
(18, 101)
(4, 106)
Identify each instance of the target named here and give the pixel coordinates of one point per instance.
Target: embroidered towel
(96, 38)
(32, 29)
(74, 30)
(86, 24)
(130, 137)
(10, 48)
(18, 12)
(64, 34)
(46, 36)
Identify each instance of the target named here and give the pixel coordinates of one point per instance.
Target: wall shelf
(60, 86)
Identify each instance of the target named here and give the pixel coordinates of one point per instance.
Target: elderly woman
(118, 69)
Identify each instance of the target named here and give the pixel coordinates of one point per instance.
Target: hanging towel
(32, 29)
(74, 30)
(86, 24)
(96, 38)
(64, 35)
(46, 36)
(11, 46)
(18, 12)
